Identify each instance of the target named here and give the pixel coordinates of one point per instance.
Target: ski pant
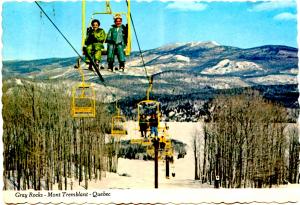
(94, 50)
(154, 131)
(143, 129)
(115, 49)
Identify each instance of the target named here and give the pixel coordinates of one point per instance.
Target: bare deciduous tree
(247, 144)
(44, 145)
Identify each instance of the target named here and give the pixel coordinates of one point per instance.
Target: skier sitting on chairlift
(116, 43)
(153, 121)
(95, 38)
(143, 126)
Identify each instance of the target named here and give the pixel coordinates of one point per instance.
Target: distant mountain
(180, 69)
(195, 56)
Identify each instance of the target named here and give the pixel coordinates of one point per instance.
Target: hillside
(185, 71)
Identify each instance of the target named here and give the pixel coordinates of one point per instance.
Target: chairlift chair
(118, 125)
(147, 108)
(83, 100)
(109, 11)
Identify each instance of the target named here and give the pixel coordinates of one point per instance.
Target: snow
(170, 46)
(174, 57)
(189, 45)
(135, 71)
(63, 74)
(171, 114)
(215, 43)
(137, 61)
(140, 173)
(274, 79)
(182, 58)
(228, 66)
(164, 57)
(203, 44)
(134, 66)
(291, 71)
(134, 181)
(19, 82)
(216, 82)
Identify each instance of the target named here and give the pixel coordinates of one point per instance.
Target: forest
(247, 142)
(44, 146)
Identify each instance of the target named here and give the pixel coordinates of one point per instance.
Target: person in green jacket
(116, 43)
(95, 38)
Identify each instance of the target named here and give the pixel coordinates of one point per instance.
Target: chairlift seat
(83, 101)
(117, 125)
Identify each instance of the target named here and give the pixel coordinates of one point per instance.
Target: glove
(89, 30)
(84, 50)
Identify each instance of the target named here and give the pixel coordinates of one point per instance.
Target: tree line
(43, 146)
(247, 143)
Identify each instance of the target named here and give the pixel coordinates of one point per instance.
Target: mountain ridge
(178, 69)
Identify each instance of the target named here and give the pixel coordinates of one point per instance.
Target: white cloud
(285, 16)
(273, 5)
(187, 6)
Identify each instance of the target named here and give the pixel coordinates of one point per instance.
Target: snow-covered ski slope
(134, 182)
(140, 173)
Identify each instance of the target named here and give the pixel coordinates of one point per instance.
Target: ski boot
(122, 66)
(90, 67)
(111, 67)
(77, 65)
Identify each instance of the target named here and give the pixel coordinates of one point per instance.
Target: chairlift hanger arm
(150, 87)
(122, 13)
(117, 108)
(107, 6)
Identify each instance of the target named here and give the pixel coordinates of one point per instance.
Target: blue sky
(29, 35)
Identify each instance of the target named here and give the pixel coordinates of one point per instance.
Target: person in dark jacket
(94, 42)
(116, 43)
(153, 122)
(143, 126)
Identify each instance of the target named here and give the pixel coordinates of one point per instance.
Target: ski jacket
(153, 122)
(143, 122)
(117, 35)
(97, 36)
